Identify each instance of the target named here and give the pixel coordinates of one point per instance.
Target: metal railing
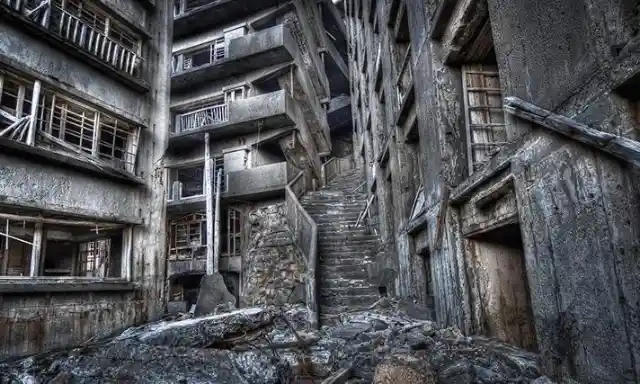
(305, 232)
(336, 165)
(202, 117)
(81, 34)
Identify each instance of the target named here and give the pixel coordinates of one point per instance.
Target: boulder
(402, 368)
(213, 295)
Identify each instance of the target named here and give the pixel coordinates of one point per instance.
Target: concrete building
(499, 142)
(256, 88)
(83, 121)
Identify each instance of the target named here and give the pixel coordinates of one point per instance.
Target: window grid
(484, 115)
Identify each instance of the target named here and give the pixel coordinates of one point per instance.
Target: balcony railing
(202, 117)
(81, 34)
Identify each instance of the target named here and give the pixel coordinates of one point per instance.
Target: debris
(383, 344)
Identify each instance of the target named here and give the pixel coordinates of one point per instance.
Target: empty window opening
(190, 181)
(209, 53)
(63, 248)
(504, 297)
(382, 290)
(185, 288)
(187, 239)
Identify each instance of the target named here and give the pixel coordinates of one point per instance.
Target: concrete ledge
(18, 285)
(18, 148)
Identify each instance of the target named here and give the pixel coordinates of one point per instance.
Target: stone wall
(273, 266)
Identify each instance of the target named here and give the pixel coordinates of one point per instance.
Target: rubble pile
(390, 343)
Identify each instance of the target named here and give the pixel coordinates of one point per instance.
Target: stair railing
(305, 233)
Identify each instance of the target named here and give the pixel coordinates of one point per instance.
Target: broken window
(485, 123)
(235, 94)
(232, 233)
(16, 241)
(94, 258)
(79, 128)
(187, 235)
(15, 101)
(182, 6)
(59, 247)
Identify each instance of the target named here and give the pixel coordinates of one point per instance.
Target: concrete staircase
(343, 250)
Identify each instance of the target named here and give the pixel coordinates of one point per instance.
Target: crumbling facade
(499, 142)
(83, 122)
(255, 89)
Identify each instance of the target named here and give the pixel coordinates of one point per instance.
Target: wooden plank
(36, 248)
(618, 146)
(35, 100)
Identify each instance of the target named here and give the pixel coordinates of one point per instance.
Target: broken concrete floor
(274, 345)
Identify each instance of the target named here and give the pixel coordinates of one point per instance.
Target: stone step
(343, 272)
(348, 254)
(330, 311)
(348, 301)
(350, 261)
(347, 246)
(343, 283)
(346, 237)
(348, 291)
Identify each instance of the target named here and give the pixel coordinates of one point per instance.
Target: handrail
(334, 166)
(103, 47)
(295, 212)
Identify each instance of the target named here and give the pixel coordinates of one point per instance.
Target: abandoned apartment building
(475, 156)
(499, 143)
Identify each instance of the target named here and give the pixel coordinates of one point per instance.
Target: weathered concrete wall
(37, 55)
(33, 323)
(49, 187)
(273, 266)
(578, 202)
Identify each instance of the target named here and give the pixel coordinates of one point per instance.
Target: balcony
(235, 56)
(198, 266)
(254, 183)
(239, 117)
(192, 16)
(64, 29)
(259, 182)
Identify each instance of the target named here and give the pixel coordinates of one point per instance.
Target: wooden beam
(618, 146)
(127, 253)
(31, 137)
(71, 223)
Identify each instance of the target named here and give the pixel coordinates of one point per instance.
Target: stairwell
(343, 250)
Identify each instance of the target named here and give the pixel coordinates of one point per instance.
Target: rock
(397, 369)
(202, 332)
(213, 295)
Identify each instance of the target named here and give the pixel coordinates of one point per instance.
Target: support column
(216, 239)
(208, 184)
(31, 136)
(36, 250)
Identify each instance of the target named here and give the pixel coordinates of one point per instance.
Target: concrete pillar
(36, 250)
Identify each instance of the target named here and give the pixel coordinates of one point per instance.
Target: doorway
(504, 301)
